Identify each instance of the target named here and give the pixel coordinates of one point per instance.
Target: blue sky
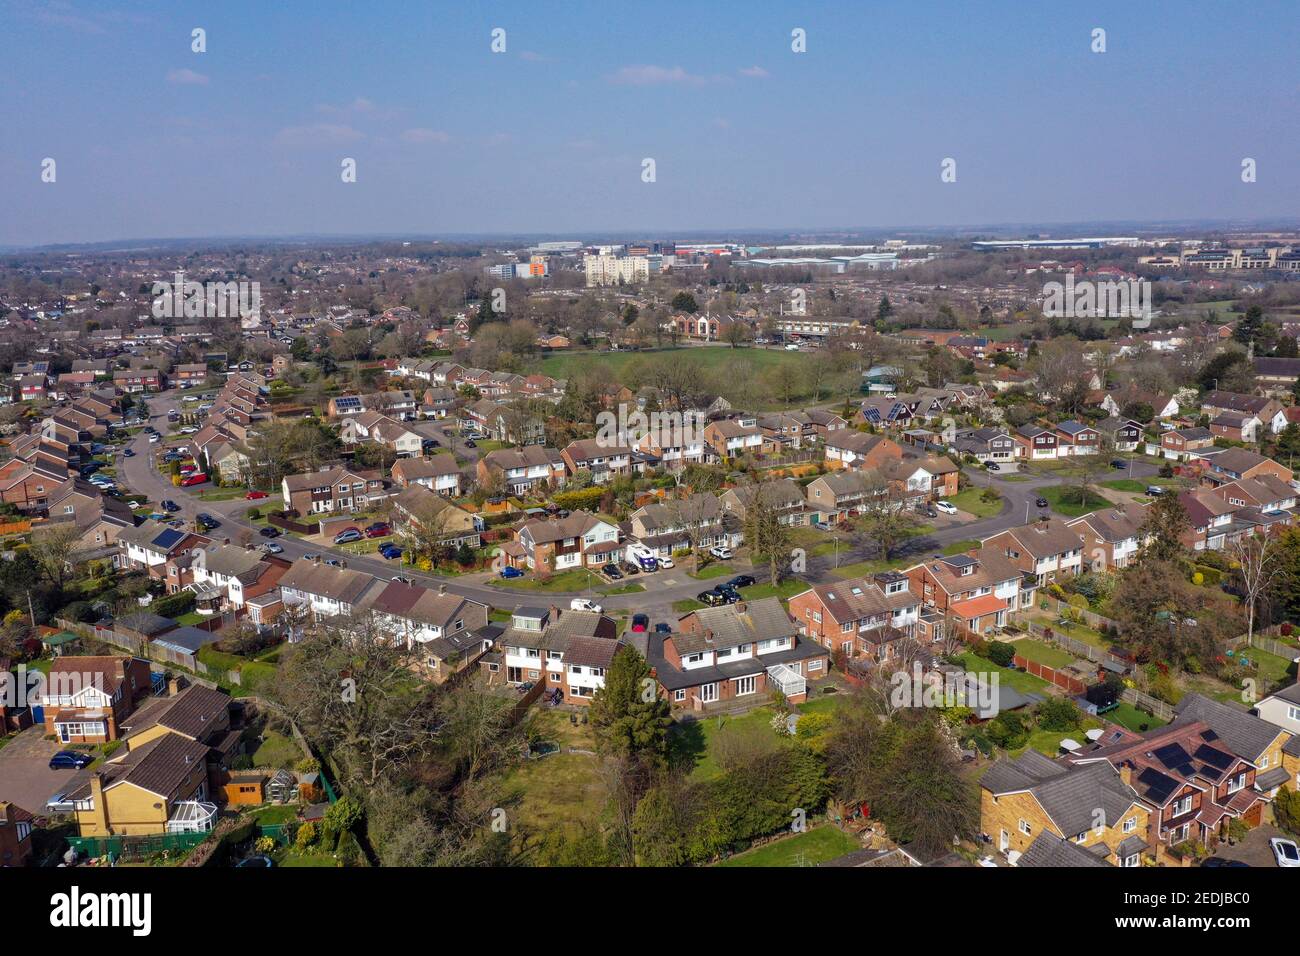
(153, 140)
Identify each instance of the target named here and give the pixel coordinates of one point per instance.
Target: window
(1025, 828)
(1183, 806)
(1130, 824)
(744, 686)
(1237, 783)
(679, 695)
(816, 665)
(1132, 860)
(1293, 713)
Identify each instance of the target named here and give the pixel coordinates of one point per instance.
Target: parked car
(510, 571)
(992, 466)
(1285, 852)
(255, 862)
(945, 507)
(269, 532)
(1119, 464)
(470, 443)
(1155, 491)
(721, 552)
(170, 506)
(208, 520)
(128, 453)
(378, 530)
(336, 563)
(256, 496)
(310, 556)
(640, 622)
(665, 563)
(70, 760)
(1219, 861)
(663, 627)
(272, 548)
(402, 579)
(155, 438)
(629, 568)
(612, 572)
(647, 562)
(347, 535)
(1040, 502)
(197, 478)
(584, 604)
(731, 595)
(712, 597)
(390, 551)
(741, 581)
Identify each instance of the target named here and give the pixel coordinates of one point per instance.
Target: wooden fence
(1152, 705)
(1091, 618)
(288, 524)
(1077, 647)
(1263, 640)
(1067, 683)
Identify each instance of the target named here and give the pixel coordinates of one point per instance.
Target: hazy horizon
(246, 140)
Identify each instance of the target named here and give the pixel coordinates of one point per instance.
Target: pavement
(25, 775)
(1254, 849)
(663, 588)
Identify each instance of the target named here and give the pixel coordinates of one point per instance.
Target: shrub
(1286, 810)
(1001, 653)
(1163, 688)
(307, 835)
(174, 605)
(1058, 714)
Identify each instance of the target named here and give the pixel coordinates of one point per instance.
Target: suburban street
(663, 588)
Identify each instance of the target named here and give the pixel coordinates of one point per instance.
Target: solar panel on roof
(168, 538)
(960, 561)
(1214, 757)
(1156, 784)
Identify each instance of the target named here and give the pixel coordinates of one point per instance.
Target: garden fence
(1152, 705)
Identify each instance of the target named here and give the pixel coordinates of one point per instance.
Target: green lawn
(787, 589)
(713, 570)
(1064, 500)
(1041, 652)
(971, 502)
(1126, 715)
(622, 589)
(1125, 484)
(1276, 670)
(277, 751)
(574, 579)
(1018, 680)
(803, 849)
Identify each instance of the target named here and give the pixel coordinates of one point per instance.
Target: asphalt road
(663, 588)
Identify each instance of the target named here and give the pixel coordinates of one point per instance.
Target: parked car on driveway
(640, 622)
(1285, 852)
(510, 571)
(70, 760)
(390, 551)
(378, 530)
(992, 466)
(945, 507)
(721, 552)
(206, 519)
(1155, 491)
(272, 548)
(663, 627)
(347, 535)
(712, 597)
(170, 506)
(612, 572)
(629, 568)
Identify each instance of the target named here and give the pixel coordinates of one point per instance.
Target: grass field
(1064, 500)
(1017, 680)
(971, 502)
(1126, 715)
(802, 849)
(1042, 653)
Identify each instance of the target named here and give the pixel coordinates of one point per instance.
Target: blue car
(70, 760)
(509, 572)
(391, 551)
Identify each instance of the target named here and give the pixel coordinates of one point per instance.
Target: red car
(254, 495)
(198, 479)
(377, 531)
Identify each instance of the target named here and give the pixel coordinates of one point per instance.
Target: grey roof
(1245, 735)
(1130, 845)
(1070, 795)
(731, 624)
(1048, 849)
(1272, 778)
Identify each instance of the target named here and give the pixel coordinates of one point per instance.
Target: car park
(347, 535)
(721, 552)
(946, 507)
(640, 622)
(584, 604)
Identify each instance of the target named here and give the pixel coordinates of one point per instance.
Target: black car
(1119, 464)
(663, 627)
(269, 532)
(207, 520)
(70, 760)
(1218, 861)
(470, 443)
(1040, 502)
(740, 581)
(170, 506)
(729, 594)
(612, 572)
(629, 568)
(712, 597)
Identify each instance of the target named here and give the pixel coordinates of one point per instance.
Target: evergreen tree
(629, 717)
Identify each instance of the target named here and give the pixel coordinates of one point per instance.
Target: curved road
(662, 588)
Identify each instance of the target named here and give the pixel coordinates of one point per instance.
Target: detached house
(1076, 438)
(1036, 443)
(986, 444)
(420, 512)
(851, 449)
(87, 699)
(1124, 434)
(734, 438)
(726, 653)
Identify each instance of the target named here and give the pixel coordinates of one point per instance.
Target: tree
(885, 518)
(1165, 524)
(1166, 618)
(56, 549)
(629, 717)
(768, 536)
(1250, 327)
(1259, 566)
(685, 302)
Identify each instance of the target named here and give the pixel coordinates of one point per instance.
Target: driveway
(25, 775)
(1254, 849)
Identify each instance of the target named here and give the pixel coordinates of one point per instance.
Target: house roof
(190, 713)
(159, 766)
(1048, 849)
(1044, 539)
(733, 624)
(1245, 734)
(1070, 795)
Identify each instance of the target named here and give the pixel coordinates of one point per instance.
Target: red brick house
(86, 699)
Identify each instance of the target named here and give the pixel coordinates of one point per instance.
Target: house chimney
(555, 613)
(174, 686)
(708, 635)
(1126, 773)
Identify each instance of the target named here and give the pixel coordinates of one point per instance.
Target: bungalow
(723, 654)
(422, 515)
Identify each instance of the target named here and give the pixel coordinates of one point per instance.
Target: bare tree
(56, 550)
(1259, 565)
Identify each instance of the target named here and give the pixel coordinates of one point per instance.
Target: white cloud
(318, 134)
(651, 75)
(754, 72)
(186, 78)
(421, 135)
